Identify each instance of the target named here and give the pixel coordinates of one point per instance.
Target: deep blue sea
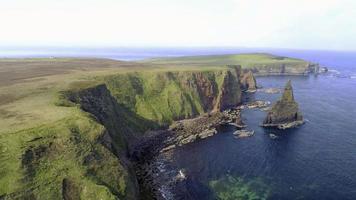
(314, 161)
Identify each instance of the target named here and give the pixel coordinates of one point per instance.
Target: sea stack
(248, 81)
(285, 112)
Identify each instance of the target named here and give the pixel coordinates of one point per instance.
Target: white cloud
(255, 23)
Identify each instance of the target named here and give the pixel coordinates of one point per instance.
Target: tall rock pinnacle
(288, 95)
(285, 112)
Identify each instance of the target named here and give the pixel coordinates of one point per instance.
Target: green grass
(245, 60)
(34, 162)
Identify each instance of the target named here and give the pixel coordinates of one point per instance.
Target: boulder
(243, 133)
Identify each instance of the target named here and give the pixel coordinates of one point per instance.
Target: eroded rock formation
(231, 92)
(248, 81)
(285, 112)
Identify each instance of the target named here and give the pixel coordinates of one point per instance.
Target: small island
(285, 112)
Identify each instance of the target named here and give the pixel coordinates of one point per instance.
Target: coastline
(283, 126)
(151, 156)
(166, 181)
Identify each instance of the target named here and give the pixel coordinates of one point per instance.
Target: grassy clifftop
(260, 63)
(246, 60)
(62, 160)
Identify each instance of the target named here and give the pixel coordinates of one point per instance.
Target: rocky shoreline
(151, 155)
(283, 126)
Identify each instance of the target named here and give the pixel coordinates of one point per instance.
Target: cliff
(259, 63)
(167, 96)
(122, 125)
(87, 154)
(297, 68)
(285, 112)
(248, 81)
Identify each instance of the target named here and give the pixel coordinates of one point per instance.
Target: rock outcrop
(248, 81)
(285, 112)
(231, 92)
(190, 130)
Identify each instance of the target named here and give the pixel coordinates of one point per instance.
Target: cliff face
(285, 69)
(230, 94)
(127, 105)
(167, 96)
(285, 112)
(248, 81)
(88, 154)
(123, 126)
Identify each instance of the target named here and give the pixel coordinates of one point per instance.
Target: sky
(296, 24)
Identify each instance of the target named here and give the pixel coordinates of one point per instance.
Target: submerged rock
(243, 133)
(266, 109)
(258, 104)
(285, 112)
(181, 175)
(270, 90)
(273, 136)
(323, 69)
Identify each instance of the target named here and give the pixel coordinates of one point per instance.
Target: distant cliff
(285, 69)
(259, 63)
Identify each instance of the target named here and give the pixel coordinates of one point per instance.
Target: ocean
(314, 161)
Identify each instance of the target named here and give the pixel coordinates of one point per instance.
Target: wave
(334, 71)
(338, 74)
